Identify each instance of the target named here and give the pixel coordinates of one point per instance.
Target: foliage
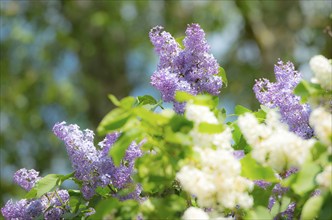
(59, 65)
(171, 144)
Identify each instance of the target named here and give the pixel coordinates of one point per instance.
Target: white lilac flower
(199, 114)
(272, 143)
(215, 180)
(280, 95)
(193, 213)
(324, 179)
(321, 121)
(322, 69)
(191, 69)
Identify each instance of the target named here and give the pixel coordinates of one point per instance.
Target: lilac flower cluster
(277, 192)
(191, 69)
(288, 213)
(26, 178)
(280, 95)
(51, 205)
(94, 167)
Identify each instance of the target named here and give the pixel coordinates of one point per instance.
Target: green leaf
(261, 196)
(259, 212)
(147, 99)
(180, 123)
(223, 76)
(179, 40)
(312, 207)
(302, 89)
(260, 115)
(326, 212)
(289, 180)
(74, 192)
(317, 150)
(103, 191)
(237, 134)
(66, 177)
(240, 141)
(221, 114)
(114, 120)
(182, 96)
(254, 171)
(44, 185)
(104, 207)
(119, 148)
(305, 180)
(206, 100)
(308, 90)
(280, 206)
(127, 102)
(114, 100)
(209, 128)
(239, 110)
(74, 204)
(151, 117)
(169, 207)
(176, 137)
(69, 215)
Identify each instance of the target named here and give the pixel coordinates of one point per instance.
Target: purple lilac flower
(165, 46)
(58, 198)
(35, 208)
(289, 172)
(95, 167)
(134, 194)
(280, 95)
(53, 214)
(262, 184)
(26, 178)
(59, 201)
(15, 210)
(119, 176)
(191, 69)
(288, 213)
(89, 212)
(48, 205)
(208, 210)
(272, 201)
(107, 143)
(139, 216)
(316, 192)
(277, 192)
(82, 153)
(238, 154)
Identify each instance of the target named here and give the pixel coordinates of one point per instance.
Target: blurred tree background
(60, 59)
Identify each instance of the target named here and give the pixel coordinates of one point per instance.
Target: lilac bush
(270, 164)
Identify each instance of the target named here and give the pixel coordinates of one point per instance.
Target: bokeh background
(60, 59)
